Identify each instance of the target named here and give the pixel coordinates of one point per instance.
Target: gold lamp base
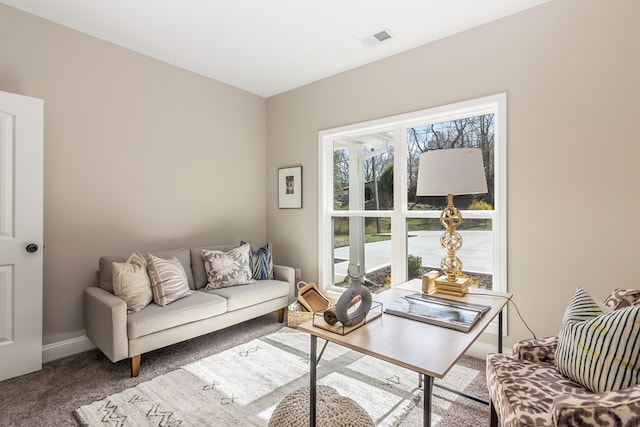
(457, 288)
(450, 283)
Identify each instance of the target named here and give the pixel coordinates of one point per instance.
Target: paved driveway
(476, 252)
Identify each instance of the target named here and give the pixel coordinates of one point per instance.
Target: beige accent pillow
(168, 279)
(131, 282)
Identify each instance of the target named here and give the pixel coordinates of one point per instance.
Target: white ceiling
(267, 47)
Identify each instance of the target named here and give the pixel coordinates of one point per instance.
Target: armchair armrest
(287, 274)
(105, 320)
(536, 350)
(597, 409)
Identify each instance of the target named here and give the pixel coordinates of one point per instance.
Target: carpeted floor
(48, 397)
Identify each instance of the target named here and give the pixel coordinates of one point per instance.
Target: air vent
(382, 36)
(376, 39)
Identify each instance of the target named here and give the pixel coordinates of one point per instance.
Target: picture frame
(290, 187)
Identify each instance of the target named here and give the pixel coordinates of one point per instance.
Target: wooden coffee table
(421, 347)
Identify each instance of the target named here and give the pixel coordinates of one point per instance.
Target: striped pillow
(600, 351)
(261, 262)
(168, 279)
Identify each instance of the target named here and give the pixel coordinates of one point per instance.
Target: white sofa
(120, 336)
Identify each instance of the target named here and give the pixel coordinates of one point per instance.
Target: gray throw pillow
(230, 268)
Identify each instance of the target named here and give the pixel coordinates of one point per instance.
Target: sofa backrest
(105, 264)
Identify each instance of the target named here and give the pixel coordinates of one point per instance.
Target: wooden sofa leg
(494, 416)
(135, 365)
(281, 315)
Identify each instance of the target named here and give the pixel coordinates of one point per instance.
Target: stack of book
(459, 288)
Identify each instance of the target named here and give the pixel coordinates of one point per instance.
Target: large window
(373, 224)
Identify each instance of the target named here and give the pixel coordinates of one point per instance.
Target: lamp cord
(510, 299)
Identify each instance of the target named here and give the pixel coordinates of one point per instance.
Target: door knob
(32, 247)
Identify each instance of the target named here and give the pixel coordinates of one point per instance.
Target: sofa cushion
(197, 263)
(599, 351)
(105, 279)
(613, 408)
(247, 295)
(168, 279)
(198, 306)
(230, 268)
(523, 392)
(131, 282)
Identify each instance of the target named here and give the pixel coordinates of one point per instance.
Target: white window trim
(496, 104)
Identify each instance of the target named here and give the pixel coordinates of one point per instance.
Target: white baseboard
(65, 348)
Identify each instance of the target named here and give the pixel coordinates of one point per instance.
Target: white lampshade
(451, 171)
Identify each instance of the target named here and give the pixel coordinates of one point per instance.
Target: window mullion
(398, 219)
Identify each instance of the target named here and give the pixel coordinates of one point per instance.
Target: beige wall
(143, 155)
(570, 70)
(138, 155)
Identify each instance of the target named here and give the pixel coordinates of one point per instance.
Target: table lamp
(450, 172)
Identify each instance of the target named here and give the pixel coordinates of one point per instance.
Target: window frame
(496, 104)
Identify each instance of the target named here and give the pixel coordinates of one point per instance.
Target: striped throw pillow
(599, 350)
(168, 279)
(261, 262)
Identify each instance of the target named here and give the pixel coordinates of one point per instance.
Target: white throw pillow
(131, 282)
(168, 279)
(596, 349)
(226, 269)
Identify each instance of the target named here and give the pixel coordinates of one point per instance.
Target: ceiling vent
(382, 36)
(376, 38)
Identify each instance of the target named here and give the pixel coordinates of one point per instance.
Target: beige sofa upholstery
(120, 336)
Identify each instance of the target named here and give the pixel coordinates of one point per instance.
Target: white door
(21, 198)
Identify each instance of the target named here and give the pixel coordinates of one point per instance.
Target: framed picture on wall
(290, 187)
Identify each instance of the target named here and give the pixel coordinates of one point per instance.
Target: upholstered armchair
(528, 389)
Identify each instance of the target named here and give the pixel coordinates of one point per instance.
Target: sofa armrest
(536, 349)
(105, 320)
(597, 409)
(287, 274)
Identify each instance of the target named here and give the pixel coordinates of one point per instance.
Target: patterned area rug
(242, 386)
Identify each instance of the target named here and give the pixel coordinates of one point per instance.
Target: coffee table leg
(312, 380)
(427, 391)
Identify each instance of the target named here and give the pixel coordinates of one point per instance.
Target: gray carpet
(48, 397)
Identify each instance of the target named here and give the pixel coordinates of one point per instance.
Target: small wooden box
(311, 298)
